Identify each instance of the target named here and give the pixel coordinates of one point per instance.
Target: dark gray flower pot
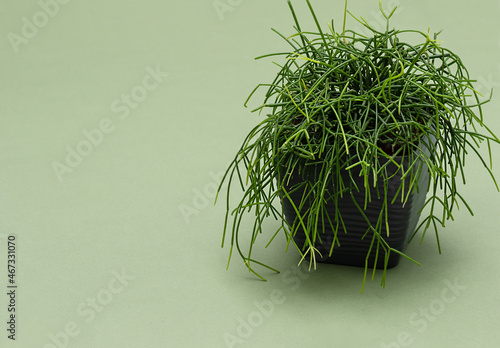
(353, 249)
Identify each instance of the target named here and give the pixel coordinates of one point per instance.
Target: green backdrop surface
(116, 120)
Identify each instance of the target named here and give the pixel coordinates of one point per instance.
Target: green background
(139, 202)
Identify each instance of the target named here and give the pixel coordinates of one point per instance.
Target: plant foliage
(351, 102)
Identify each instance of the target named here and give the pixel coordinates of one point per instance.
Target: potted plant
(362, 135)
